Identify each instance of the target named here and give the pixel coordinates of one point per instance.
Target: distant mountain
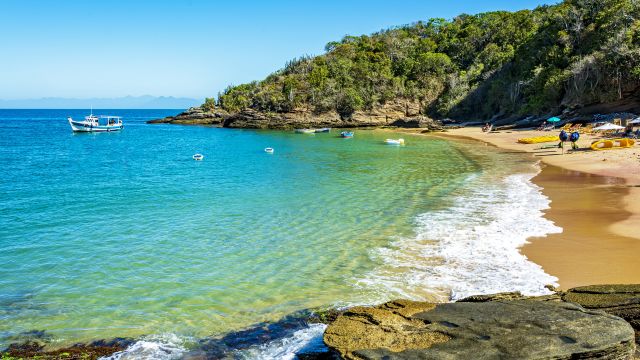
(127, 102)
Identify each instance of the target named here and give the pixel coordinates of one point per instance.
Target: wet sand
(595, 198)
(587, 251)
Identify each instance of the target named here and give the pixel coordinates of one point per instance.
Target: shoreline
(595, 198)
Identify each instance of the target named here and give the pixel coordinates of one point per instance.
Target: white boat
(305, 131)
(269, 150)
(198, 157)
(92, 123)
(394, 141)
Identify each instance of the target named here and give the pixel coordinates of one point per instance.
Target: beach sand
(595, 198)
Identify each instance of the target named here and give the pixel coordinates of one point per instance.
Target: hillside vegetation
(530, 62)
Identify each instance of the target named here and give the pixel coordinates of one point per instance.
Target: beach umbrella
(553, 119)
(609, 126)
(635, 121)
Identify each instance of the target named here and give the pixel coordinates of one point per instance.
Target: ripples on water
(123, 234)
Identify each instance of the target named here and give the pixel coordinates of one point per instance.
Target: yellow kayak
(609, 144)
(539, 139)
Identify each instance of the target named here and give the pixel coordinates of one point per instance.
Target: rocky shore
(393, 114)
(591, 322)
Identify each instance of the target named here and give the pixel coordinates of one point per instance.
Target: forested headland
(575, 57)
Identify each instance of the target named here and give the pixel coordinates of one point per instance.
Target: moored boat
(269, 150)
(305, 131)
(92, 123)
(346, 134)
(198, 157)
(323, 130)
(394, 141)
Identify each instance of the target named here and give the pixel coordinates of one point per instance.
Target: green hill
(531, 62)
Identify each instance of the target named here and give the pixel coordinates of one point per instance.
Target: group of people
(629, 133)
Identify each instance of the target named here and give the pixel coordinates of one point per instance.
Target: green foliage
(348, 103)
(473, 66)
(209, 104)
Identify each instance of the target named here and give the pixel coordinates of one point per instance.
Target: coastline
(595, 198)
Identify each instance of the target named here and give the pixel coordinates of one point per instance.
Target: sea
(123, 234)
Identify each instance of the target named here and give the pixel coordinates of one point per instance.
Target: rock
(421, 122)
(37, 350)
(618, 300)
(500, 329)
(510, 296)
(301, 117)
(388, 326)
(195, 115)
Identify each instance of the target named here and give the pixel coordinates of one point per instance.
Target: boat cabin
(103, 120)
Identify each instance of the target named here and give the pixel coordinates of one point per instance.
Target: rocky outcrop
(618, 300)
(36, 350)
(488, 328)
(396, 113)
(194, 116)
(510, 296)
(418, 122)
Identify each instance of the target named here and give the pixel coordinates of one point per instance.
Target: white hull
(82, 126)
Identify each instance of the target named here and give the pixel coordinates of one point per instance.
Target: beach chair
(567, 127)
(575, 127)
(548, 128)
(586, 129)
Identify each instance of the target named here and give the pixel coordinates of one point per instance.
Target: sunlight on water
(123, 234)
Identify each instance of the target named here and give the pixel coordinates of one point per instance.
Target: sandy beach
(596, 200)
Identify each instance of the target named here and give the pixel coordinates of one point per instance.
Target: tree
(209, 104)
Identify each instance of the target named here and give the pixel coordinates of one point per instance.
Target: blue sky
(191, 48)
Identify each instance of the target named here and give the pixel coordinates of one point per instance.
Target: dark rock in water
(228, 345)
(618, 300)
(501, 329)
(39, 336)
(94, 350)
(193, 116)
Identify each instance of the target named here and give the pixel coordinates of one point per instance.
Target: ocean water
(123, 234)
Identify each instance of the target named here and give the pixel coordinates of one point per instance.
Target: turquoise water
(123, 234)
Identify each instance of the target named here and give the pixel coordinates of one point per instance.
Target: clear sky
(191, 48)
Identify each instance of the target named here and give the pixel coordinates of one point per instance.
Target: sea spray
(307, 340)
(471, 247)
(155, 347)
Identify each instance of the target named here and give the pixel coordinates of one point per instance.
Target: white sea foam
(308, 340)
(156, 347)
(471, 247)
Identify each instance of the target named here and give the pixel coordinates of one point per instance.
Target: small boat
(346, 134)
(539, 139)
(198, 157)
(608, 144)
(92, 123)
(323, 130)
(305, 131)
(268, 150)
(394, 141)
